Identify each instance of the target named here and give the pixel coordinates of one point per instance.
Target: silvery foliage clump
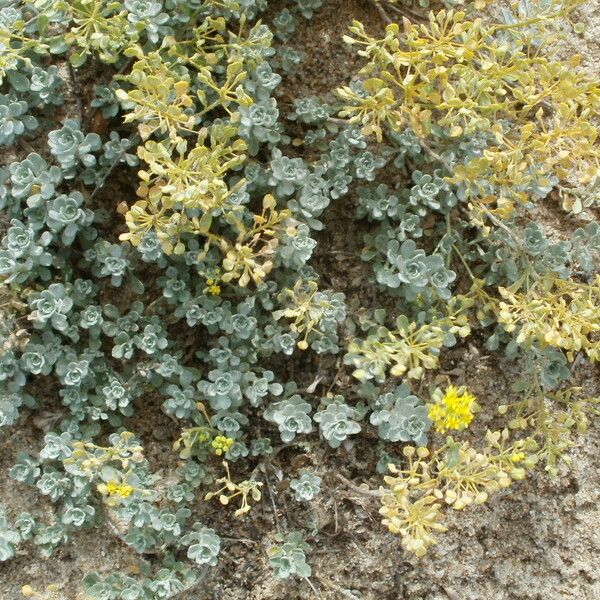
(147, 16)
(337, 421)
(66, 216)
(9, 538)
(259, 124)
(306, 486)
(541, 255)
(412, 272)
(114, 331)
(106, 100)
(173, 578)
(288, 59)
(32, 180)
(310, 111)
(106, 350)
(115, 152)
(262, 82)
(15, 120)
(45, 86)
(553, 367)
(308, 7)
(298, 248)
(400, 416)
(291, 416)
(22, 252)
(287, 174)
(71, 147)
(284, 24)
(203, 545)
(289, 558)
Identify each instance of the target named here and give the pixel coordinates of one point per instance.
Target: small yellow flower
(517, 457)
(214, 289)
(453, 410)
(221, 444)
(114, 488)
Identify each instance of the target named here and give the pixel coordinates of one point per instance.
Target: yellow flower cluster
(518, 457)
(453, 410)
(221, 444)
(113, 488)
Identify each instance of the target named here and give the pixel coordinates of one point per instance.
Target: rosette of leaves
(284, 24)
(71, 371)
(256, 388)
(152, 339)
(9, 408)
(147, 16)
(313, 198)
(366, 165)
(337, 421)
(106, 100)
(52, 306)
(114, 261)
(24, 254)
(431, 192)
(400, 417)
(222, 389)
(287, 174)
(33, 180)
(15, 119)
(307, 8)
(297, 247)
(114, 153)
(378, 203)
(289, 558)
(259, 124)
(553, 367)
(10, 15)
(242, 323)
(66, 215)
(288, 59)
(71, 147)
(291, 415)
(409, 267)
(262, 81)
(39, 358)
(9, 538)
(306, 486)
(45, 86)
(309, 111)
(203, 545)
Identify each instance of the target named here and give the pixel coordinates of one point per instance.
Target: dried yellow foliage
(458, 76)
(563, 314)
(456, 475)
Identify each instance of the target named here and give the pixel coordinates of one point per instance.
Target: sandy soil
(537, 541)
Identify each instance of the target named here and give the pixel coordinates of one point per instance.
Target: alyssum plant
(185, 136)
